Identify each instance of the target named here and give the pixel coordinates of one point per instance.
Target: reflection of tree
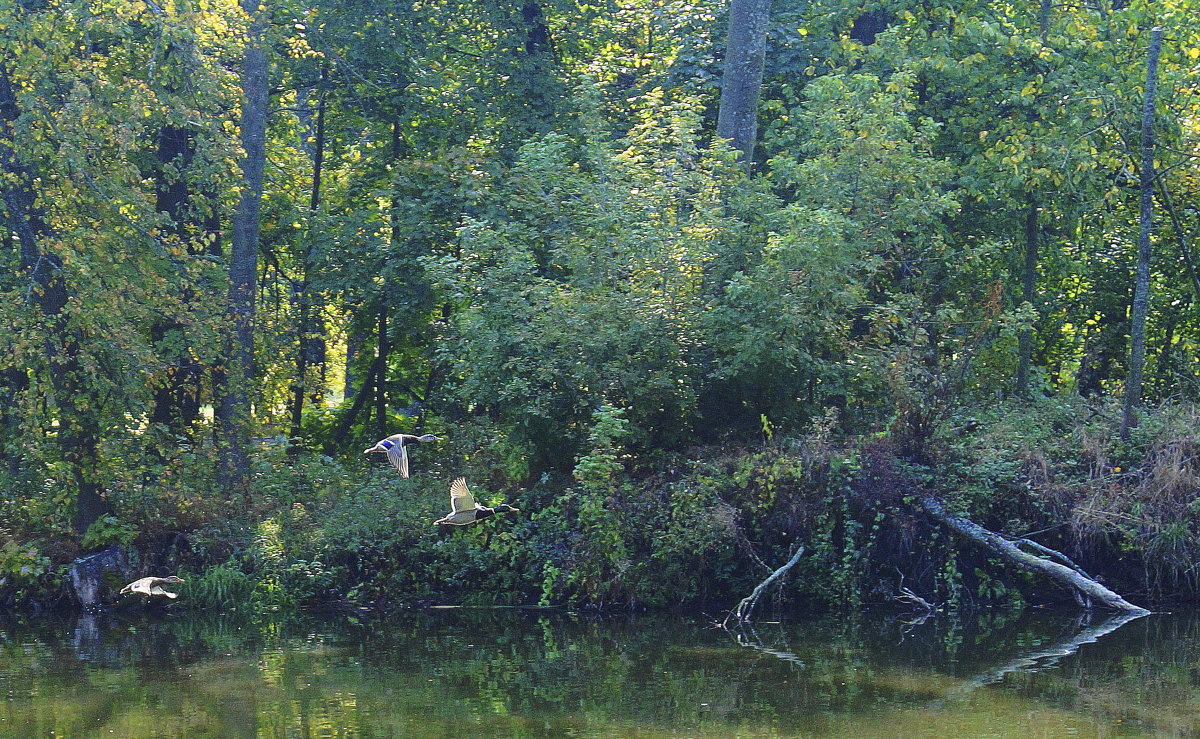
(1040, 659)
(1083, 631)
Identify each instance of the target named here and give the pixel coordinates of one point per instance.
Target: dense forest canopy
(242, 240)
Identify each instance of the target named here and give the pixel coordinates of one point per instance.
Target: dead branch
(905, 595)
(741, 612)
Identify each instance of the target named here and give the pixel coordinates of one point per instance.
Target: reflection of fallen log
(1069, 575)
(1028, 661)
(1038, 659)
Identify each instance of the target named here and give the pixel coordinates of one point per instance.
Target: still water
(514, 673)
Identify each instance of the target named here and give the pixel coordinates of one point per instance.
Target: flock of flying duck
(464, 510)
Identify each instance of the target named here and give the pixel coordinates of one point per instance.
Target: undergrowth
(689, 530)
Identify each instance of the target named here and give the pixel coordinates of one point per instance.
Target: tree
(78, 426)
(1141, 286)
(237, 374)
(745, 52)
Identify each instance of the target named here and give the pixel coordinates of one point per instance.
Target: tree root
(1069, 575)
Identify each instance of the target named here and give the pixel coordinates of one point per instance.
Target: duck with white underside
(394, 447)
(464, 511)
(151, 586)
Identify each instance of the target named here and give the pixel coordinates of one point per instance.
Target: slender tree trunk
(78, 425)
(1141, 284)
(238, 374)
(306, 349)
(1028, 281)
(353, 346)
(384, 348)
(745, 54)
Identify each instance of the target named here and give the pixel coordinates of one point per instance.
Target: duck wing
(461, 498)
(399, 457)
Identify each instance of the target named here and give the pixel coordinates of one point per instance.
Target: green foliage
(222, 587)
(522, 237)
(107, 531)
(23, 567)
(596, 470)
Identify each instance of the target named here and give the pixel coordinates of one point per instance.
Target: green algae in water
(511, 673)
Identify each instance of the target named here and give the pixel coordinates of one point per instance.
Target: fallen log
(1086, 589)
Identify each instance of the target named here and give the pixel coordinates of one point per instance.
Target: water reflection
(511, 673)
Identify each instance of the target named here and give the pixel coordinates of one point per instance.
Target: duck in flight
(394, 447)
(464, 511)
(151, 586)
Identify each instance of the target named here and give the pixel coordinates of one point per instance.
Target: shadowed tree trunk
(1141, 284)
(745, 54)
(306, 351)
(176, 403)
(238, 370)
(78, 429)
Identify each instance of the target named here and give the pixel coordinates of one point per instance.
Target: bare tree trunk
(1141, 284)
(745, 54)
(238, 373)
(1063, 572)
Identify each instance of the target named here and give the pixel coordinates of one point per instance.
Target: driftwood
(906, 595)
(1063, 571)
(741, 612)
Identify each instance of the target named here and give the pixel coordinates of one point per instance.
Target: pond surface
(514, 673)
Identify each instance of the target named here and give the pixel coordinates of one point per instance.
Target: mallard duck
(394, 445)
(150, 586)
(464, 511)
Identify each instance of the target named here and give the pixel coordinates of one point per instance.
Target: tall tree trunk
(238, 370)
(541, 87)
(1028, 280)
(745, 54)
(306, 353)
(78, 425)
(176, 403)
(1141, 284)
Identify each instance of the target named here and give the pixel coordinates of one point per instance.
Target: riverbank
(689, 529)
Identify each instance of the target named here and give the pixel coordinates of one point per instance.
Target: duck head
(505, 508)
(173, 578)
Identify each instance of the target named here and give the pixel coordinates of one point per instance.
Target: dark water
(507, 673)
